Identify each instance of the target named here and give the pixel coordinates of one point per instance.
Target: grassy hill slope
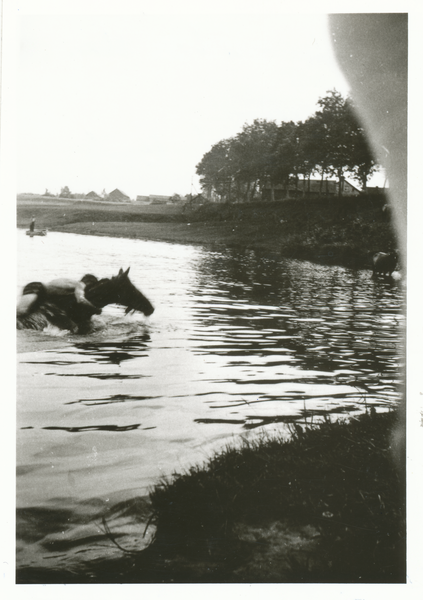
(327, 230)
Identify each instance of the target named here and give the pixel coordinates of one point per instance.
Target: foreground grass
(327, 506)
(338, 478)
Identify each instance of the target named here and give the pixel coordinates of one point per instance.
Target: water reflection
(117, 351)
(116, 398)
(329, 319)
(95, 428)
(239, 342)
(305, 416)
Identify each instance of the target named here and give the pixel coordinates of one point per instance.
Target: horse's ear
(120, 272)
(126, 272)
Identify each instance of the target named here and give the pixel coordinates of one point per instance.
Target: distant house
(142, 199)
(198, 199)
(348, 189)
(375, 190)
(211, 195)
(118, 196)
(159, 199)
(309, 188)
(92, 196)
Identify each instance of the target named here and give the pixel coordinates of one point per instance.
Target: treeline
(66, 193)
(331, 143)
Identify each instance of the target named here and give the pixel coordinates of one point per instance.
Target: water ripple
(239, 342)
(95, 428)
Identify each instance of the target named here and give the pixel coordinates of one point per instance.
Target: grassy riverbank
(327, 506)
(328, 230)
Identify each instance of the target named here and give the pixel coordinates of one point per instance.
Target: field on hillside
(330, 230)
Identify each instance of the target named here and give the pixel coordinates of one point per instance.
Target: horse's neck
(100, 294)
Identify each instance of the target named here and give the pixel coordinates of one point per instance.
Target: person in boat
(58, 290)
(32, 224)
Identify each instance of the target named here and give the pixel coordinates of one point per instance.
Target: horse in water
(66, 313)
(384, 263)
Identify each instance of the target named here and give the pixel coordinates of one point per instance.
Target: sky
(134, 101)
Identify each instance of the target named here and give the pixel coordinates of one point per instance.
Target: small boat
(36, 232)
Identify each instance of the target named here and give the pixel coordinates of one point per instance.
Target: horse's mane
(98, 292)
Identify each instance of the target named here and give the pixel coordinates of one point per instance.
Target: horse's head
(117, 290)
(128, 295)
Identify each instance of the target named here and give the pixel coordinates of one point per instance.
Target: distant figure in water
(384, 262)
(59, 289)
(32, 225)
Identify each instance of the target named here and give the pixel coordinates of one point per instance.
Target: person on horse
(58, 290)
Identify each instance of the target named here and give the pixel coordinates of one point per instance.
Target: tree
(305, 163)
(363, 163)
(214, 170)
(65, 192)
(335, 117)
(284, 158)
(235, 167)
(346, 142)
(331, 142)
(251, 152)
(315, 143)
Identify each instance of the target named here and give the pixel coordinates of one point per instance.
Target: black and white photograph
(211, 286)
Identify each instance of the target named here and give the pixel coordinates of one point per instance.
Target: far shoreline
(332, 231)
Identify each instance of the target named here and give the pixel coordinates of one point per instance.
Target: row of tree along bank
(331, 143)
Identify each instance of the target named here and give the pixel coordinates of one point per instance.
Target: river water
(238, 344)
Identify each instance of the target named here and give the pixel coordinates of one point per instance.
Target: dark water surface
(238, 344)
